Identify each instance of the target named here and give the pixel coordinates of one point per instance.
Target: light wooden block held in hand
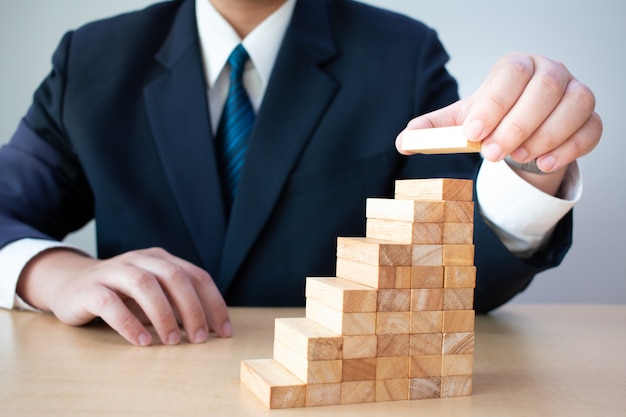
(437, 141)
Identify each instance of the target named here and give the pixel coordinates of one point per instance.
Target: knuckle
(584, 97)
(553, 81)
(548, 139)
(514, 132)
(520, 65)
(174, 273)
(104, 300)
(141, 279)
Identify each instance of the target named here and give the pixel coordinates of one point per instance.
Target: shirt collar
(218, 39)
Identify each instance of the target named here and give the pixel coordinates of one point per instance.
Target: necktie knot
(235, 125)
(237, 61)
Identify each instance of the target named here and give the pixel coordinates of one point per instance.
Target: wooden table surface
(530, 360)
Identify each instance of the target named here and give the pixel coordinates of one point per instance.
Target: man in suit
(123, 130)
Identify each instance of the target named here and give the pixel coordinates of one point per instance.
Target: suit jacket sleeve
(43, 192)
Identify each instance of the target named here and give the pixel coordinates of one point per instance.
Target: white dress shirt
(521, 215)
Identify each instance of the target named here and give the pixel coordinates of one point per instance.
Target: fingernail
(492, 152)
(173, 338)
(201, 336)
(144, 339)
(227, 330)
(547, 163)
(473, 129)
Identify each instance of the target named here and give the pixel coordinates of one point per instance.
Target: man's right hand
(141, 287)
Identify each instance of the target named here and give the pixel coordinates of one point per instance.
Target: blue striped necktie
(235, 125)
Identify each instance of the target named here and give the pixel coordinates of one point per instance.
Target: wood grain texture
(459, 277)
(405, 210)
(373, 251)
(458, 321)
(341, 294)
(457, 386)
(392, 389)
(393, 345)
(427, 299)
(311, 372)
(273, 384)
(355, 347)
(405, 232)
(394, 300)
(339, 322)
(373, 276)
(424, 388)
(438, 189)
(308, 339)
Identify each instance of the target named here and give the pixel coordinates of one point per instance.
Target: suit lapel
(177, 108)
(281, 130)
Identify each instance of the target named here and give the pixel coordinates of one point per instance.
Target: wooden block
(363, 369)
(458, 298)
(373, 276)
(339, 322)
(438, 141)
(311, 372)
(425, 366)
(427, 255)
(273, 384)
(355, 347)
(458, 211)
(456, 386)
(457, 364)
(393, 322)
(405, 232)
(421, 344)
(373, 251)
(459, 277)
(393, 367)
(426, 321)
(458, 343)
(392, 389)
(393, 345)
(405, 210)
(458, 233)
(394, 300)
(434, 189)
(427, 299)
(323, 394)
(424, 388)
(458, 321)
(458, 255)
(403, 277)
(342, 295)
(427, 276)
(308, 339)
(358, 392)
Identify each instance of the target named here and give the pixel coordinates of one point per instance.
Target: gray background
(587, 36)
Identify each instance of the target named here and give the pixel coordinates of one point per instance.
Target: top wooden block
(438, 140)
(446, 189)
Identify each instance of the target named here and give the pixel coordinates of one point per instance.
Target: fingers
(529, 107)
(108, 305)
(147, 286)
(214, 307)
(579, 143)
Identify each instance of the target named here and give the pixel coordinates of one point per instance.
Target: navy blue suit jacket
(120, 131)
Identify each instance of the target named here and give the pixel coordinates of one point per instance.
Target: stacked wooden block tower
(397, 322)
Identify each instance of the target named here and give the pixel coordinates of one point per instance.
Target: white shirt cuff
(13, 259)
(521, 215)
